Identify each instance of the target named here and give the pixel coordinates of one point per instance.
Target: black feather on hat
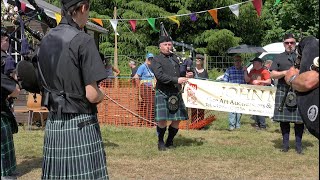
(164, 39)
(68, 3)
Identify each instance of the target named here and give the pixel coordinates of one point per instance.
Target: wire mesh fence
(128, 103)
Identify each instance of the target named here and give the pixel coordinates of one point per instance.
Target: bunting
(277, 2)
(258, 6)
(133, 24)
(235, 9)
(193, 17)
(5, 2)
(152, 22)
(23, 6)
(174, 19)
(99, 21)
(214, 15)
(58, 17)
(114, 24)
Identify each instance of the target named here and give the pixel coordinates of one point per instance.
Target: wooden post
(115, 61)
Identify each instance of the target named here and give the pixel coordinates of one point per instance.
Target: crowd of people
(73, 92)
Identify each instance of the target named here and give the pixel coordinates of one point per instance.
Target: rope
(135, 114)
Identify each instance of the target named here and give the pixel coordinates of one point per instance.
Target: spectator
(133, 68)
(200, 73)
(289, 114)
(144, 78)
(235, 74)
(112, 72)
(261, 77)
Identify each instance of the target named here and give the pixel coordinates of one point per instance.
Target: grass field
(213, 153)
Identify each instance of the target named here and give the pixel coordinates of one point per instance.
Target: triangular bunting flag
(152, 22)
(214, 15)
(174, 19)
(193, 17)
(133, 24)
(258, 6)
(23, 7)
(277, 2)
(5, 2)
(99, 21)
(235, 9)
(58, 17)
(114, 24)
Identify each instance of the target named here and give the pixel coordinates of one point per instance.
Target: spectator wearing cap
(169, 105)
(199, 73)
(144, 80)
(258, 76)
(235, 74)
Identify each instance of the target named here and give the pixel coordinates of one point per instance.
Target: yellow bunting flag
(174, 19)
(214, 15)
(99, 21)
(58, 17)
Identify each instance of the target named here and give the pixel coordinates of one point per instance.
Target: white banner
(230, 97)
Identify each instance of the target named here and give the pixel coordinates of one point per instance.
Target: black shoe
(169, 145)
(284, 150)
(299, 150)
(161, 146)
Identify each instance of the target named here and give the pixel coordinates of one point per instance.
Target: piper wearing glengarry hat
(168, 101)
(72, 67)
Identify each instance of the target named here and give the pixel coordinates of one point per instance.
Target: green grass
(213, 153)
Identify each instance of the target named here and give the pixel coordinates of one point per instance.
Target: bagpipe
(187, 65)
(308, 102)
(26, 68)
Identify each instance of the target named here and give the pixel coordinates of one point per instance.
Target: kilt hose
(289, 114)
(162, 112)
(8, 157)
(72, 152)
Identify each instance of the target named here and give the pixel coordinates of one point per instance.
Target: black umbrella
(246, 49)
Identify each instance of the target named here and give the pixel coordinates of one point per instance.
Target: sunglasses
(290, 42)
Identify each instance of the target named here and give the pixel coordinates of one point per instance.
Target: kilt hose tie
(73, 148)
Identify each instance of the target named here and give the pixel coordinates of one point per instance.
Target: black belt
(87, 123)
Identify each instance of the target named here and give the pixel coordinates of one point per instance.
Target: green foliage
(214, 73)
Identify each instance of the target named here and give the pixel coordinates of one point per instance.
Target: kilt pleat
(8, 157)
(71, 152)
(161, 108)
(289, 114)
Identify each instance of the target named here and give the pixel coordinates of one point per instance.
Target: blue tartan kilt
(162, 112)
(8, 157)
(71, 152)
(289, 114)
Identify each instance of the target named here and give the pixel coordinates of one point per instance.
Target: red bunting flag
(99, 21)
(133, 24)
(214, 15)
(23, 7)
(258, 6)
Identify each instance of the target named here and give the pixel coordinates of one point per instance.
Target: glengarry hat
(68, 3)
(164, 39)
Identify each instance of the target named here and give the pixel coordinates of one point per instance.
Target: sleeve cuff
(175, 80)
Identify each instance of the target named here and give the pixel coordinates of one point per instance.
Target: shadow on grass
(28, 165)
(107, 143)
(183, 141)
(305, 144)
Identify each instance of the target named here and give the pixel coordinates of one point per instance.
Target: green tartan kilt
(8, 157)
(289, 114)
(71, 152)
(161, 108)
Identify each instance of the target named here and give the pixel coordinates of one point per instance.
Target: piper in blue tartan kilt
(289, 114)
(70, 68)
(9, 89)
(169, 105)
